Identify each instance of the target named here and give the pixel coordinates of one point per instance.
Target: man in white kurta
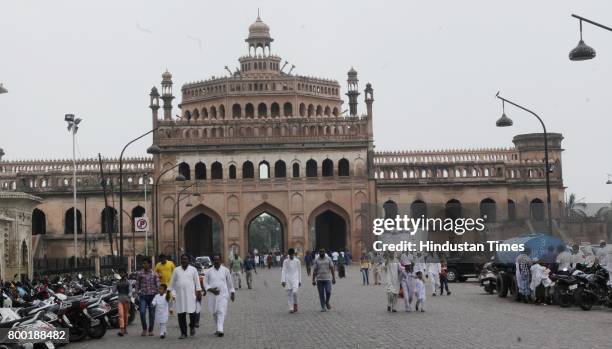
(291, 279)
(392, 277)
(218, 283)
(186, 289)
(433, 272)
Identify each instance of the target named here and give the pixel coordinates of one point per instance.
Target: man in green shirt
(236, 267)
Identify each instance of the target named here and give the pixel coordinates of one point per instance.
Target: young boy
(161, 302)
(408, 279)
(419, 291)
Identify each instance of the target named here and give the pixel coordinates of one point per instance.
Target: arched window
(511, 210)
(453, 209)
(108, 218)
(264, 170)
(296, 170)
(287, 109)
(216, 170)
(390, 208)
(319, 110)
(213, 112)
(537, 209)
(249, 110)
(275, 110)
(302, 109)
(232, 172)
(236, 111)
(488, 210)
(328, 168)
(69, 222)
(262, 110)
(222, 111)
(200, 171)
(311, 168)
(327, 111)
(184, 170)
(248, 171)
(280, 170)
(39, 222)
(343, 167)
(418, 209)
(311, 110)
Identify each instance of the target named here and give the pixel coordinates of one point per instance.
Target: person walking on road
(291, 279)
(237, 269)
(250, 267)
(187, 290)
(392, 277)
(164, 268)
(323, 276)
(365, 269)
(147, 284)
(123, 300)
(523, 275)
(408, 284)
(161, 302)
(219, 286)
(308, 261)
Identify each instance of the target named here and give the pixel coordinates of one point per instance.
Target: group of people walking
(405, 276)
(181, 289)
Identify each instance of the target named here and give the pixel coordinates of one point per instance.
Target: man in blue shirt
(249, 268)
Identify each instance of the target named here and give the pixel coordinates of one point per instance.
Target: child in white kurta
(419, 291)
(161, 302)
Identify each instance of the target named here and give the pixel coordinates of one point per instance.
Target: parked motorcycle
(488, 277)
(593, 289)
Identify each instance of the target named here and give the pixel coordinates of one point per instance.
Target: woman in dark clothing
(123, 291)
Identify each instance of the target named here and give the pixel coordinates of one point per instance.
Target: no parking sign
(141, 224)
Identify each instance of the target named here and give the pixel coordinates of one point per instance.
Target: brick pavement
(468, 318)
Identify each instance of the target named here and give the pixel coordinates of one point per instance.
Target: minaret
(369, 98)
(154, 105)
(353, 91)
(167, 96)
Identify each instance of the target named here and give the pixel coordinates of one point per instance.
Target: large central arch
(279, 231)
(329, 228)
(201, 232)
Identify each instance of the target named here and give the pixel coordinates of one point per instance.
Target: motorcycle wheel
(489, 289)
(502, 286)
(98, 331)
(76, 334)
(585, 301)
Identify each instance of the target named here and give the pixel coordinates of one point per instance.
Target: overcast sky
(435, 67)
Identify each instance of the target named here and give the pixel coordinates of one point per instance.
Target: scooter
(488, 278)
(593, 289)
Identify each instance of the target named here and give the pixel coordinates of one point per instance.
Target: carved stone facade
(16, 243)
(262, 140)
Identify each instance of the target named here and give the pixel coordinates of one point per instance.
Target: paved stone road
(468, 318)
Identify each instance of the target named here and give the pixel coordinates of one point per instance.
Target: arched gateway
(202, 231)
(329, 228)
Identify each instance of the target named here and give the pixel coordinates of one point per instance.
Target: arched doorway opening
(330, 231)
(265, 234)
(202, 236)
(39, 222)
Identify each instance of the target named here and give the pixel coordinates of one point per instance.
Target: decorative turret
(353, 91)
(260, 59)
(167, 96)
(369, 98)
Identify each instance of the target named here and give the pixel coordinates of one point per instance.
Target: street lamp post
(505, 121)
(121, 190)
(177, 215)
(156, 203)
(73, 127)
(582, 51)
